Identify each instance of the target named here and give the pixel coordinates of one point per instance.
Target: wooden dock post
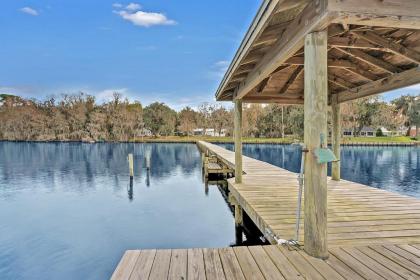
(131, 164)
(238, 141)
(315, 111)
(336, 137)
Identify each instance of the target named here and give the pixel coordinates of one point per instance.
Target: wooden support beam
(238, 141)
(385, 13)
(238, 215)
(293, 76)
(333, 63)
(395, 48)
(336, 137)
(313, 17)
(352, 43)
(269, 99)
(367, 58)
(315, 136)
(400, 80)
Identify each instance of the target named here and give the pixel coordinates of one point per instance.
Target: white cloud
(117, 5)
(133, 7)
(133, 14)
(29, 11)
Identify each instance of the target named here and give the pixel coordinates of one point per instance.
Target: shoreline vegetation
(374, 141)
(79, 118)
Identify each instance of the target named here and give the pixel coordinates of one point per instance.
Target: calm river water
(67, 210)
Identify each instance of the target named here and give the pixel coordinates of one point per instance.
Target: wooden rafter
(266, 81)
(263, 84)
(404, 79)
(339, 81)
(333, 63)
(259, 99)
(271, 33)
(361, 73)
(367, 58)
(352, 43)
(293, 76)
(335, 30)
(244, 69)
(395, 48)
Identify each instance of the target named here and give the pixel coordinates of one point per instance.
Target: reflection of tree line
(394, 168)
(84, 162)
(284, 156)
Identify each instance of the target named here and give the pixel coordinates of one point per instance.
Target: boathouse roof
(373, 47)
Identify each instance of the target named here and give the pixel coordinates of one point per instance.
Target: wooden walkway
(357, 214)
(372, 234)
(271, 262)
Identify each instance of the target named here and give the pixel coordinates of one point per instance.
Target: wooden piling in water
(131, 164)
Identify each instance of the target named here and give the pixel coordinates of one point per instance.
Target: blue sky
(156, 50)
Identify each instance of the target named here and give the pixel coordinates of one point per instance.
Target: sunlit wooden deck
(357, 214)
(271, 262)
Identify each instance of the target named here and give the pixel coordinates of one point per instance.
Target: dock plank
(196, 270)
(160, 268)
(126, 265)
(143, 265)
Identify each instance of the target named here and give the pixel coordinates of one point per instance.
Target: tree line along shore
(79, 117)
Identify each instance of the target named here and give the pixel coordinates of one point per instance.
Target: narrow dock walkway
(357, 214)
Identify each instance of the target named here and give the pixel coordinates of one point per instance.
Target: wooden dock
(372, 234)
(357, 214)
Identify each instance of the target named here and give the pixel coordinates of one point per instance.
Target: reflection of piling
(131, 164)
(148, 178)
(238, 235)
(130, 189)
(148, 161)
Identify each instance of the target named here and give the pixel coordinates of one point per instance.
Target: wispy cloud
(133, 7)
(117, 5)
(133, 13)
(29, 11)
(219, 69)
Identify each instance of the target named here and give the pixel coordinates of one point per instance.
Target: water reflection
(70, 210)
(84, 163)
(130, 189)
(392, 168)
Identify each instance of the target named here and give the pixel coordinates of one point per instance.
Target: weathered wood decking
(357, 214)
(372, 234)
(271, 262)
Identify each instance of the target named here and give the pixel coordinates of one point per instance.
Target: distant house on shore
(209, 132)
(347, 132)
(385, 131)
(412, 132)
(144, 132)
(367, 131)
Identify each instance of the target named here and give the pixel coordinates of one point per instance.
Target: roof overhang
(373, 46)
